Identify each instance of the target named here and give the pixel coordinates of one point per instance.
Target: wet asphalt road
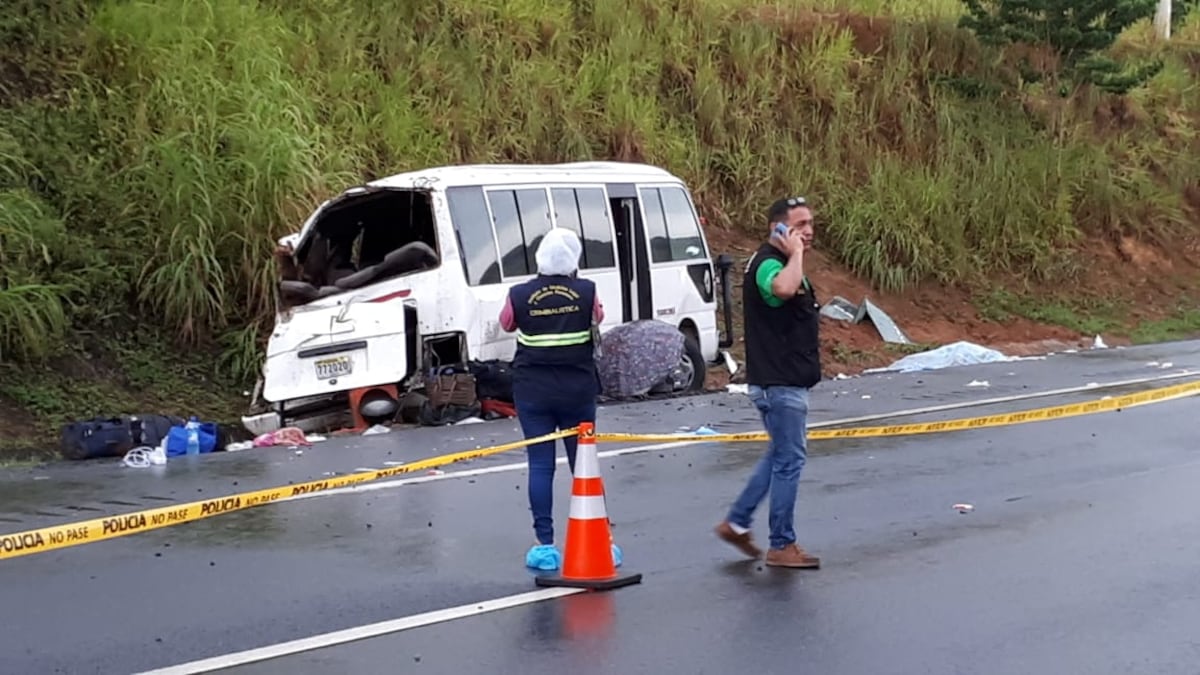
(1078, 557)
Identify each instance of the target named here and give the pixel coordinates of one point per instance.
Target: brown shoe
(792, 556)
(743, 542)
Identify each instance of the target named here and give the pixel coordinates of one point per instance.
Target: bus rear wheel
(692, 369)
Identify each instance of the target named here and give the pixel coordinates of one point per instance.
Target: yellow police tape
(98, 529)
(999, 420)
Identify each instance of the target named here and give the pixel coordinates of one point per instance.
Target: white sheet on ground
(947, 356)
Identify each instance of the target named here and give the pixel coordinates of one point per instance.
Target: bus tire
(693, 361)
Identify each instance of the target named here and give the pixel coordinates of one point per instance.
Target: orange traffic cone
(588, 558)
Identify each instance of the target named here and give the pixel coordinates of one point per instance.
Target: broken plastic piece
(884, 324)
(841, 309)
(963, 508)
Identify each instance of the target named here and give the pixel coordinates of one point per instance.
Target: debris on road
(841, 309)
(963, 508)
(289, 436)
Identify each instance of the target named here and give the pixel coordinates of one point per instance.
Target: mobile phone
(781, 230)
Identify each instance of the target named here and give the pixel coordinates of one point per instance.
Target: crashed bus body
(405, 275)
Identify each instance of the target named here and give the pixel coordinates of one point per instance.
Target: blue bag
(177, 439)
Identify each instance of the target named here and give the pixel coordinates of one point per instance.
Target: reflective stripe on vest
(554, 339)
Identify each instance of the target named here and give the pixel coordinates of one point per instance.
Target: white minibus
(408, 274)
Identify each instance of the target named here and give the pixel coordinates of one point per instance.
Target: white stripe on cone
(587, 462)
(588, 508)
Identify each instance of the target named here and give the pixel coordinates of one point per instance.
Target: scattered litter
(1091, 385)
(979, 383)
(737, 388)
(841, 376)
(329, 473)
(468, 420)
(299, 452)
(145, 456)
(705, 430)
(1167, 364)
(238, 447)
(1105, 398)
(436, 472)
(963, 508)
(394, 463)
(1098, 343)
(290, 436)
(866, 396)
(955, 354)
(730, 364)
(376, 430)
(1153, 364)
(314, 438)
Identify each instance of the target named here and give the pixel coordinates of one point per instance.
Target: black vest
(782, 343)
(554, 340)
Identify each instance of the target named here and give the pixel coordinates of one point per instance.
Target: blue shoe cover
(543, 557)
(616, 550)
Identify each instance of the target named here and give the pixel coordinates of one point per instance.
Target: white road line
(520, 466)
(362, 632)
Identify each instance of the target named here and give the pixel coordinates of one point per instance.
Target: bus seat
(411, 257)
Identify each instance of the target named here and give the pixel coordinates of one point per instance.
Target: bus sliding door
(632, 258)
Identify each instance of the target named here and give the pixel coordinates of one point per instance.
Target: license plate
(335, 367)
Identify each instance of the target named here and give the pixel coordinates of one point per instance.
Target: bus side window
(582, 210)
(656, 226)
(476, 240)
(522, 218)
(683, 229)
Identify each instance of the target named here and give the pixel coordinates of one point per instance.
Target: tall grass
(198, 131)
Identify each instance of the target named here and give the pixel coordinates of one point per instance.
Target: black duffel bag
(113, 436)
(493, 380)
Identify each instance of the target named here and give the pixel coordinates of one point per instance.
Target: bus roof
(571, 172)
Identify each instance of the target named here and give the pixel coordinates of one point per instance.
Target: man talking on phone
(783, 362)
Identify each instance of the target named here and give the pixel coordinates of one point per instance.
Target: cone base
(608, 584)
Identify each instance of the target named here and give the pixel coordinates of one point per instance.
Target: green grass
(150, 153)
(1091, 316)
(114, 375)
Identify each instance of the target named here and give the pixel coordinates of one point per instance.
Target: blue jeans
(538, 417)
(784, 412)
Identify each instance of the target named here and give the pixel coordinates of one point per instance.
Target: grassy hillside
(150, 153)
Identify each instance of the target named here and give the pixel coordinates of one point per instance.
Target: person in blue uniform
(555, 382)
